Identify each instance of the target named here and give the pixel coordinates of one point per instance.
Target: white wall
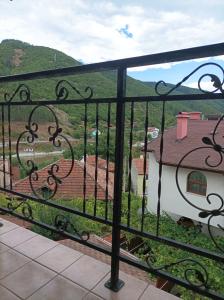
(7, 175)
(134, 179)
(171, 200)
(137, 182)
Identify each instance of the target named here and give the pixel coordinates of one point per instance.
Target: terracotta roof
(139, 165)
(71, 186)
(174, 149)
(102, 163)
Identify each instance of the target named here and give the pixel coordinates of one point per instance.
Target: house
(137, 175)
(153, 132)
(71, 186)
(199, 175)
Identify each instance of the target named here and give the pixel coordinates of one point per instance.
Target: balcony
(34, 267)
(177, 214)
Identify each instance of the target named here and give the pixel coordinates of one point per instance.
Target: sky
(101, 30)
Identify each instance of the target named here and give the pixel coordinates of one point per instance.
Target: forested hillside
(18, 57)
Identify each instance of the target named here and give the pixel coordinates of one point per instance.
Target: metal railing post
(114, 283)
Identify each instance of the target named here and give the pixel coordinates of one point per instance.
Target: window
(196, 183)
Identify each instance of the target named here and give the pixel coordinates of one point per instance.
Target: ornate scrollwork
(62, 90)
(195, 273)
(22, 91)
(217, 82)
(215, 145)
(22, 204)
(214, 159)
(63, 224)
(53, 179)
(210, 214)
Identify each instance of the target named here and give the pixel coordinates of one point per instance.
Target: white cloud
(87, 30)
(144, 68)
(170, 65)
(221, 57)
(205, 85)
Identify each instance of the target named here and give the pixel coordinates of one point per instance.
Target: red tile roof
(139, 165)
(174, 149)
(71, 186)
(102, 163)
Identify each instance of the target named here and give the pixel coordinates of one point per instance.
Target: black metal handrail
(151, 59)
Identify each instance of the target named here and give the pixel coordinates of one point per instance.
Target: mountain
(18, 57)
(206, 107)
(179, 90)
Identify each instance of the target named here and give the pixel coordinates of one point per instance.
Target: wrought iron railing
(18, 92)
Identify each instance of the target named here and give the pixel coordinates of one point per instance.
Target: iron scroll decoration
(63, 90)
(22, 91)
(194, 273)
(217, 83)
(211, 197)
(22, 204)
(63, 87)
(211, 145)
(63, 224)
(55, 136)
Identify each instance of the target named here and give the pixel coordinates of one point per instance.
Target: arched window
(197, 183)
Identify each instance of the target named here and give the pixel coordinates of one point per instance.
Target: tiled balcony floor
(36, 268)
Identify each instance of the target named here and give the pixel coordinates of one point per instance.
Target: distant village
(196, 179)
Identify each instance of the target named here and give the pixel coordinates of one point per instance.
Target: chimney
(195, 115)
(182, 123)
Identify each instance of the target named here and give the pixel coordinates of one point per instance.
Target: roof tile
(72, 186)
(175, 150)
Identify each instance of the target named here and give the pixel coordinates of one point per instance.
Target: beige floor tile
(16, 236)
(92, 296)
(86, 271)
(132, 289)
(59, 258)
(36, 246)
(10, 261)
(7, 295)
(28, 279)
(156, 294)
(7, 226)
(60, 289)
(3, 248)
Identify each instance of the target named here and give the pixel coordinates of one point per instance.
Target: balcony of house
(118, 184)
(35, 267)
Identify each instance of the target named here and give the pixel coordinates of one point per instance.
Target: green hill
(18, 57)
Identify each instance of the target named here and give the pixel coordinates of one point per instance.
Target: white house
(200, 175)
